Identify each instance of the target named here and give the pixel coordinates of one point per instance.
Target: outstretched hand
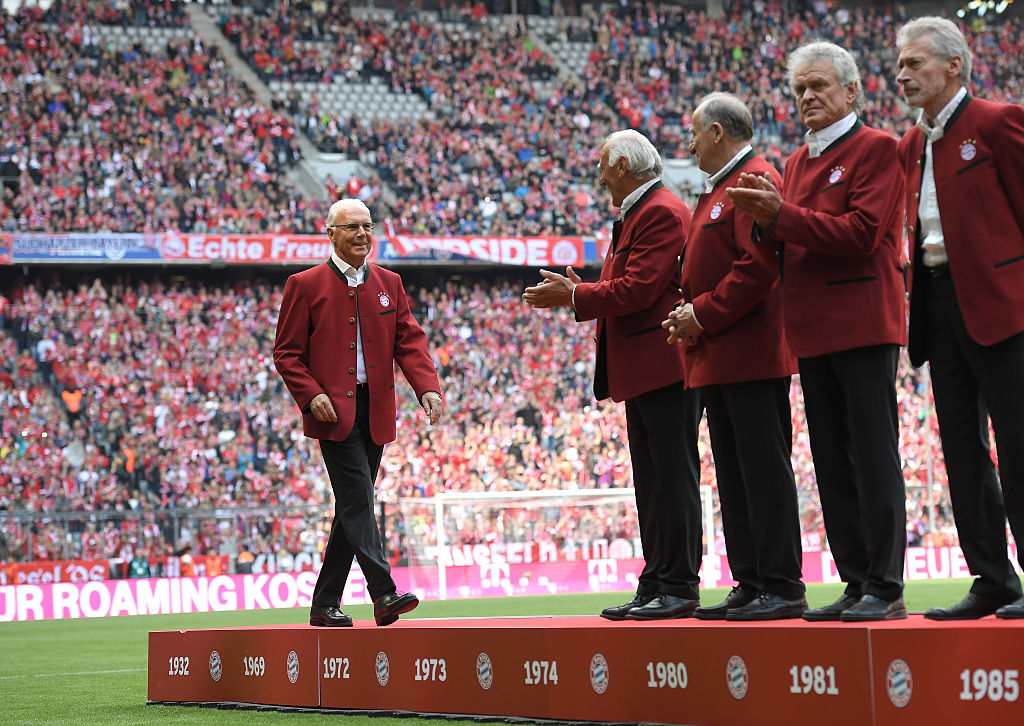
(555, 290)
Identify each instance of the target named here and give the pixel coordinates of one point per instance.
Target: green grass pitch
(93, 671)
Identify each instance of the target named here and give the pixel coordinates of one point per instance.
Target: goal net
(456, 529)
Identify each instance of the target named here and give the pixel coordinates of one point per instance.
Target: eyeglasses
(353, 228)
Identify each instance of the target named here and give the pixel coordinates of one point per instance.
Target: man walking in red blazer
(838, 222)
(342, 327)
(965, 216)
(731, 322)
(639, 285)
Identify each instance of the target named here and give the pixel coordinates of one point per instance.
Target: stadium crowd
(509, 150)
(141, 395)
(100, 137)
(137, 395)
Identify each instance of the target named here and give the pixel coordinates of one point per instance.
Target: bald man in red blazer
(639, 285)
(964, 162)
(736, 353)
(342, 327)
(838, 221)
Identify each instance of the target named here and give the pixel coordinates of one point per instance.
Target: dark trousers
(852, 420)
(751, 429)
(971, 383)
(352, 467)
(662, 426)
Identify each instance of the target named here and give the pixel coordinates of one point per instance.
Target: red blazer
(841, 226)
(733, 284)
(638, 288)
(979, 180)
(315, 348)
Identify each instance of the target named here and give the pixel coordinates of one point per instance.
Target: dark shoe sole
(392, 616)
(651, 619)
(325, 623)
(848, 617)
(710, 616)
(823, 617)
(614, 618)
(968, 616)
(744, 618)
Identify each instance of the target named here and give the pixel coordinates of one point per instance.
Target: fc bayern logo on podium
(484, 671)
(737, 677)
(216, 667)
(292, 665)
(383, 668)
(899, 683)
(599, 675)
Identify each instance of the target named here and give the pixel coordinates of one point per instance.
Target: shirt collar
(634, 195)
(710, 182)
(346, 269)
(818, 141)
(934, 133)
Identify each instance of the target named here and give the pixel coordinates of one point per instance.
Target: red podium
(589, 669)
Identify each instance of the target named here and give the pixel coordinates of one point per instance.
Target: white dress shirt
(818, 141)
(933, 242)
(355, 277)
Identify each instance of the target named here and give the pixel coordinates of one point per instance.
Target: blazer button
(917, 195)
(351, 320)
(351, 293)
(351, 346)
(351, 370)
(350, 394)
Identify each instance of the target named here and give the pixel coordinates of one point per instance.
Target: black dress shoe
(1013, 611)
(329, 617)
(387, 608)
(971, 607)
(833, 611)
(769, 607)
(619, 611)
(870, 608)
(664, 607)
(738, 597)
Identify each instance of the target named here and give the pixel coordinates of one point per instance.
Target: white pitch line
(74, 673)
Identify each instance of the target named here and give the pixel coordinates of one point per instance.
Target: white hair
(642, 160)
(350, 204)
(946, 42)
(842, 62)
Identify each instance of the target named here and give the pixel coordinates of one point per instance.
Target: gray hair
(843, 63)
(350, 204)
(947, 41)
(730, 113)
(642, 160)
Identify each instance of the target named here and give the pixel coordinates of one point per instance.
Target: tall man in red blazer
(731, 322)
(639, 285)
(342, 327)
(838, 221)
(965, 210)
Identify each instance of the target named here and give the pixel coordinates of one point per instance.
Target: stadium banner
(100, 247)
(520, 251)
(261, 249)
(39, 572)
(154, 596)
(249, 249)
(43, 571)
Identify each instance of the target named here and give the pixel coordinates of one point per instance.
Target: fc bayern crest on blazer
(384, 299)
